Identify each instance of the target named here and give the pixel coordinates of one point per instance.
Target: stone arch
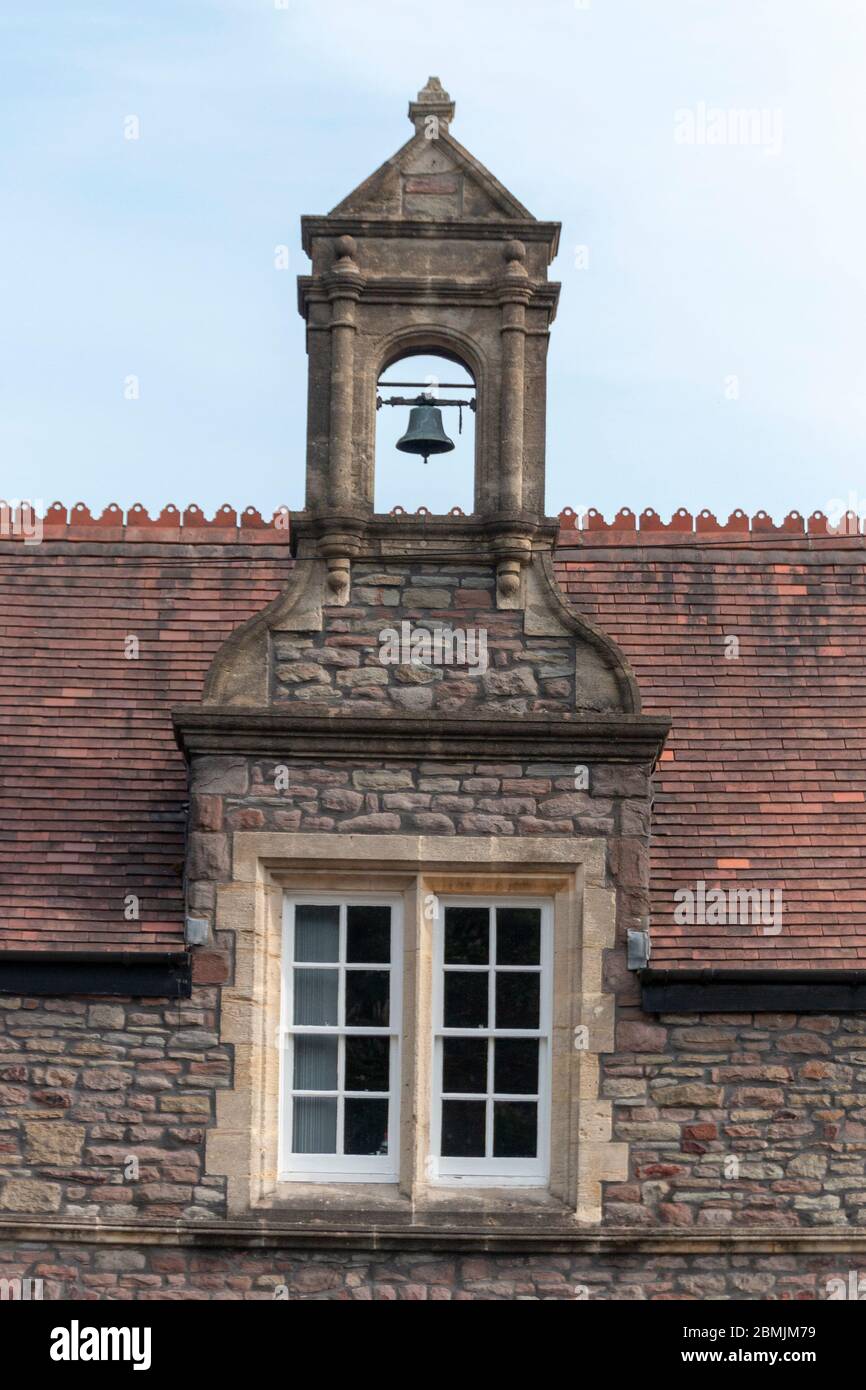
(439, 340)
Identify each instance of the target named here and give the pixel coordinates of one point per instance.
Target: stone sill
(382, 1208)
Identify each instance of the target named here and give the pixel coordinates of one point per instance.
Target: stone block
(28, 1195)
(382, 780)
(688, 1095)
(53, 1142)
(225, 776)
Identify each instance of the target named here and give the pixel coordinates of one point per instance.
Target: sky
(710, 345)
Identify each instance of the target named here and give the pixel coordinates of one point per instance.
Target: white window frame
(340, 1167)
(493, 1172)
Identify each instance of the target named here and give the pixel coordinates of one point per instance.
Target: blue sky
(711, 353)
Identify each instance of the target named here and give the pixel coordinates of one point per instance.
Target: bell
(425, 434)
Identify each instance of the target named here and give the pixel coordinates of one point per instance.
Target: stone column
(514, 296)
(344, 292)
(338, 543)
(511, 548)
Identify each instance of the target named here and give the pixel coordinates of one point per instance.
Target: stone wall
(104, 1106)
(739, 1120)
(734, 1122)
(429, 798)
(84, 1271)
(343, 664)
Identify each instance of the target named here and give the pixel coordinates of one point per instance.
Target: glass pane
(315, 1064)
(368, 934)
(367, 994)
(518, 936)
(366, 1127)
(515, 1129)
(464, 1064)
(463, 1128)
(367, 1064)
(315, 1126)
(515, 1066)
(317, 933)
(467, 936)
(465, 999)
(517, 999)
(316, 996)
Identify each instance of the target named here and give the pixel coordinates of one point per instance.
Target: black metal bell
(425, 434)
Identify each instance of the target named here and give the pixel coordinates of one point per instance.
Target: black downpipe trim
(59, 973)
(753, 991)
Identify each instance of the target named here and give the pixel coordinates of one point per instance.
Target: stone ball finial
(515, 254)
(345, 246)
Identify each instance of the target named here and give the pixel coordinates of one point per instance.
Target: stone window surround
(242, 1145)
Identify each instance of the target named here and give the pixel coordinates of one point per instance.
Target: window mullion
(341, 1086)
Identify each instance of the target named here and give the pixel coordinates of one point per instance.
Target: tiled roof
(763, 782)
(92, 802)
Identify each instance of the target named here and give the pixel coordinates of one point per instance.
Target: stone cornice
(243, 732)
(500, 230)
(471, 538)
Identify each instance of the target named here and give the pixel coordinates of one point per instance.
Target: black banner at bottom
(203, 1337)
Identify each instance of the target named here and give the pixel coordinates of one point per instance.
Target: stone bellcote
(429, 254)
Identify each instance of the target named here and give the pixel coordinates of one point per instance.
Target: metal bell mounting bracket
(428, 398)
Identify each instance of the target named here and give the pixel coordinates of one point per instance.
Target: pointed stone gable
(432, 177)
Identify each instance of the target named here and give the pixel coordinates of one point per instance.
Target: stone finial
(433, 110)
(514, 254)
(345, 248)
